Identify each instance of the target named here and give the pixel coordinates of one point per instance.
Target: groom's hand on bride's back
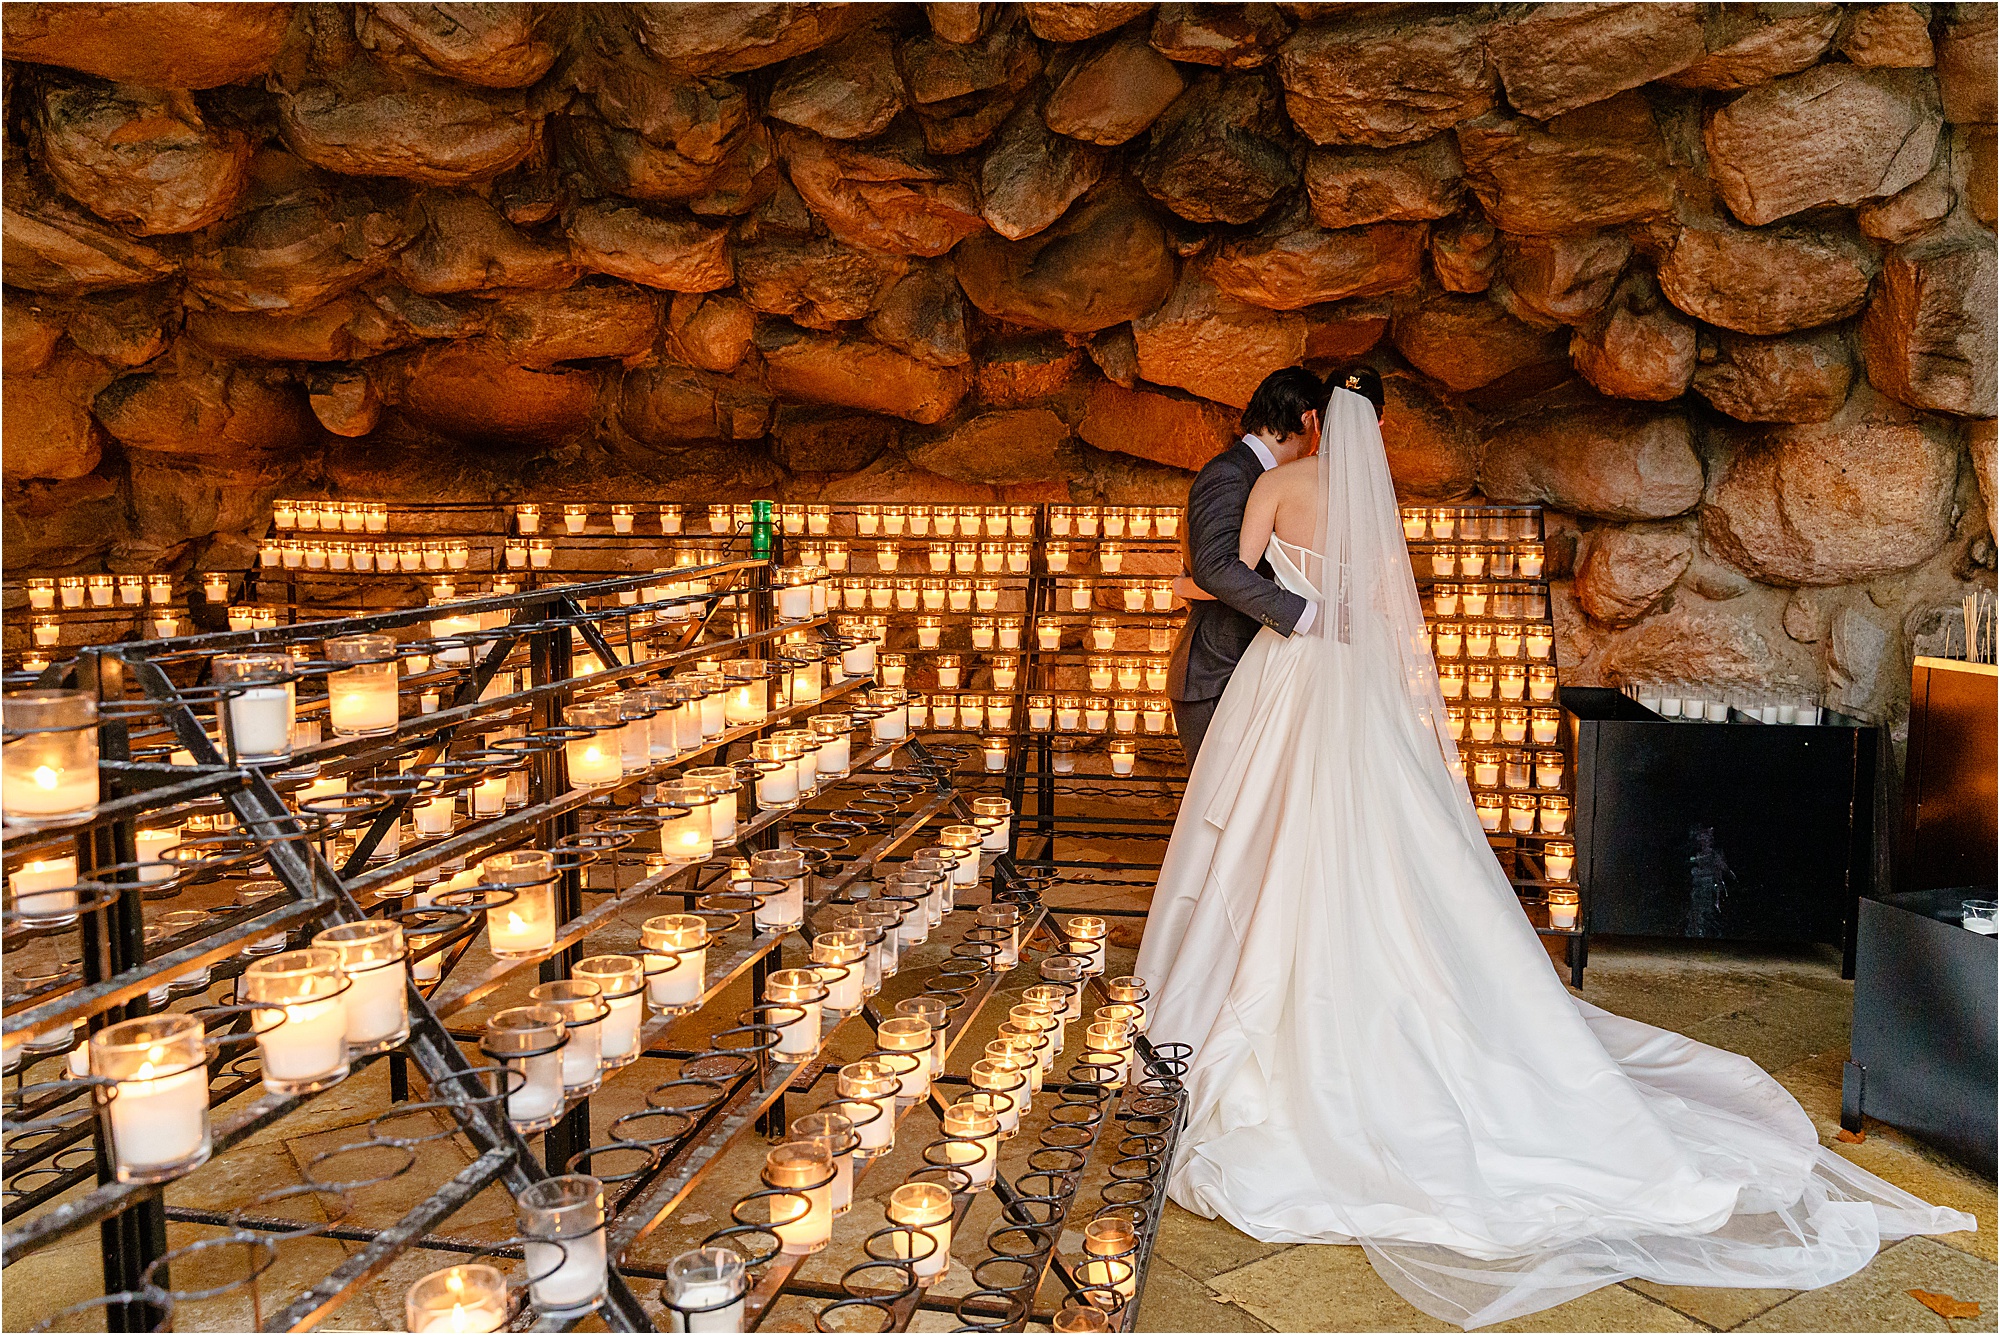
(1188, 591)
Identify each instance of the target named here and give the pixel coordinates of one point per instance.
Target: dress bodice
(1289, 564)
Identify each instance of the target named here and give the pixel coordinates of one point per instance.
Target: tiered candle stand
(1482, 574)
(463, 819)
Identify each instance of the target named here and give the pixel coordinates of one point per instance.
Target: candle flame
(514, 923)
(47, 777)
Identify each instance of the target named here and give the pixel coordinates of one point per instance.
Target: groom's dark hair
(1282, 401)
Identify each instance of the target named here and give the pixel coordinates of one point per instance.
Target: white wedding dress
(1382, 1052)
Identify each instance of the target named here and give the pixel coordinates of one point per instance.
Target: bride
(1382, 1053)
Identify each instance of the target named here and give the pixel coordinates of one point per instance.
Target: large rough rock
(492, 45)
(1801, 378)
(723, 38)
(857, 373)
(1355, 187)
(467, 245)
(829, 440)
(964, 92)
(1765, 282)
(1894, 36)
(1236, 37)
(1465, 254)
(1622, 572)
(1384, 80)
(366, 121)
(51, 433)
(847, 91)
(1020, 445)
(1113, 93)
(344, 329)
(1637, 347)
(145, 160)
(818, 282)
(1558, 57)
(1290, 263)
(1106, 262)
(1602, 460)
(49, 246)
(1433, 452)
(1594, 168)
(1831, 135)
(730, 179)
(1079, 22)
(1750, 44)
(627, 242)
(154, 45)
(1965, 65)
(1172, 429)
(30, 329)
(58, 525)
(1928, 337)
(1862, 495)
(1982, 442)
(1562, 280)
(1209, 343)
(1027, 370)
(126, 328)
(1221, 152)
(1911, 211)
(713, 333)
(1464, 342)
(1727, 643)
(473, 392)
(544, 329)
(346, 402)
(1031, 175)
(192, 406)
(889, 195)
(924, 315)
(667, 405)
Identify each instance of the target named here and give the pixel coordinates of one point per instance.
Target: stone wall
(1715, 283)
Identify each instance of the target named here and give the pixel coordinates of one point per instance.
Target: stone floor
(1787, 1010)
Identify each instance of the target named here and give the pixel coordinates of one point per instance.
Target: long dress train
(1383, 1053)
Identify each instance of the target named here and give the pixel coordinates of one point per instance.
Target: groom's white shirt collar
(1270, 461)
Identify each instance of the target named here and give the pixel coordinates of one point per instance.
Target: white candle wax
(1559, 865)
(779, 787)
(724, 1320)
(714, 720)
(858, 660)
(377, 1003)
(575, 1271)
(798, 1038)
(834, 754)
(311, 1042)
(722, 817)
(54, 875)
(594, 761)
(669, 984)
(891, 726)
(620, 1028)
(509, 933)
(159, 1121)
(152, 843)
(540, 1093)
(365, 706)
(48, 791)
(782, 909)
(843, 993)
(581, 1064)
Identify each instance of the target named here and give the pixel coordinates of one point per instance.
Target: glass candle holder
(525, 925)
(786, 909)
(42, 595)
(965, 841)
(527, 1042)
(1559, 860)
(581, 1004)
(377, 1001)
(971, 1128)
(686, 834)
(923, 1213)
(1114, 521)
(792, 998)
(1562, 905)
(47, 632)
(595, 760)
(1111, 1241)
(621, 982)
(45, 889)
(704, 1291)
(1088, 937)
(1124, 757)
(541, 552)
(1096, 713)
(563, 1219)
(874, 1084)
(300, 1020)
(48, 764)
(1541, 683)
(904, 1036)
(156, 1114)
(462, 1298)
(676, 960)
(1057, 555)
(1103, 633)
(1111, 557)
(1554, 814)
(261, 704)
(1125, 714)
(362, 698)
(838, 957)
(801, 1174)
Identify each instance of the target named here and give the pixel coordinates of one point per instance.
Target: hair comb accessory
(1353, 382)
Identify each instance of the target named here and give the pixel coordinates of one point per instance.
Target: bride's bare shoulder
(1292, 476)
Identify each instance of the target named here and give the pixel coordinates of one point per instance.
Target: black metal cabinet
(1924, 1048)
(1725, 831)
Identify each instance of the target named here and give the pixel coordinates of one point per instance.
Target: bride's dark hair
(1360, 380)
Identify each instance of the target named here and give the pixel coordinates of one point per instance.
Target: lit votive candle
(362, 697)
(923, 1212)
(1096, 713)
(704, 1291)
(1041, 713)
(792, 997)
(563, 1219)
(972, 1138)
(582, 1006)
(377, 1001)
(838, 957)
(462, 1298)
(1562, 903)
(874, 1084)
(301, 1018)
(1554, 811)
(676, 958)
(525, 925)
(157, 1111)
(1112, 1242)
(802, 1215)
(1124, 756)
(45, 890)
(621, 982)
(48, 769)
(595, 760)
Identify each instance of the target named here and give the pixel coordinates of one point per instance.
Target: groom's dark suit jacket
(1217, 633)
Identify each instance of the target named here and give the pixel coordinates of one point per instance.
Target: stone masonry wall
(1716, 283)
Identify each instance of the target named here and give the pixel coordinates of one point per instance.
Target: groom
(1227, 600)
